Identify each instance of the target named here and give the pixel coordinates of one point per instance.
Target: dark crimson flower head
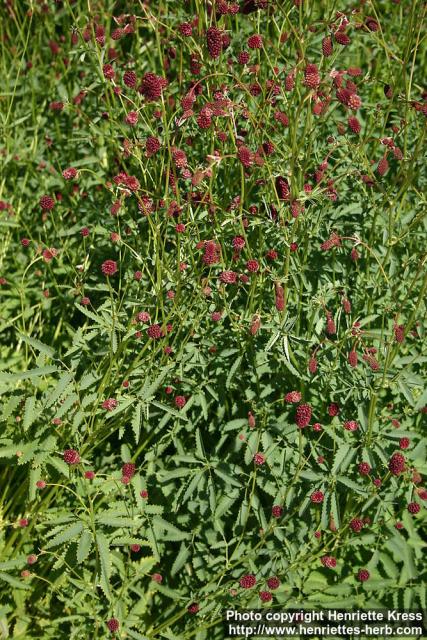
(193, 608)
(293, 396)
(185, 29)
(312, 365)
(152, 86)
(265, 596)
(214, 42)
(259, 458)
(276, 511)
(47, 203)
(157, 577)
(108, 71)
(248, 581)
(354, 124)
(152, 145)
(128, 469)
(351, 425)
(329, 562)
(342, 38)
(228, 277)
(129, 79)
(352, 358)
(180, 401)
(273, 583)
(364, 468)
(356, 525)
(243, 57)
(397, 464)
(71, 456)
(252, 266)
(404, 443)
(303, 415)
(109, 404)
(245, 156)
(70, 173)
(363, 575)
(327, 47)
(414, 507)
(311, 76)
(333, 409)
(113, 625)
(155, 331)
(255, 41)
(317, 497)
(109, 267)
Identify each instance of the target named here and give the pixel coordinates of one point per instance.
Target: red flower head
(397, 464)
(303, 415)
(293, 396)
(109, 267)
(317, 497)
(273, 583)
(69, 174)
(71, 456)
(259, 458)
(152, 86)
(109, 404)
(129, 78)
(356, 525)
(128, 469)
(248, 581)
(413, 508)
(255, 41)
(351, 425)
(364, 468)
(329, 562)
(47, 203)
(363, 575)
(113, 625)
(214, 42)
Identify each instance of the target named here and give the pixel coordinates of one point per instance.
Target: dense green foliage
(265, 226)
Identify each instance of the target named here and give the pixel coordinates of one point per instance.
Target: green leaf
(149, 388)
(335, 510)
(26, 375)
(59, 389)
(30, 413)
(16, 584)
(162, 524)
(122, 406)
(351, 484)
(233, 370)
(199, 445)
(237, 423)
(136, 422)
(67, 534)
(84, 545)
(173, 412)
(10, 406)
(115, 521)
(181, 559)
(105, 563)
(38, 346)
(343, 457)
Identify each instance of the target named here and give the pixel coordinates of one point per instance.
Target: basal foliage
(212, 286)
